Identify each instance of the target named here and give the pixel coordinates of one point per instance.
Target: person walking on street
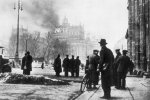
(66, 65)
(93, 63)
(123, 65)
(72, 66)
(27, 63)
(57, 65)
(23, 66)
(115, 66)
(105, 66)
(77, 66)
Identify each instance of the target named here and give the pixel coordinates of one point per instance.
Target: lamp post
(19, 7)
(26, 45)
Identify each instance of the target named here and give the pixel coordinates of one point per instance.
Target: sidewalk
(137, 89)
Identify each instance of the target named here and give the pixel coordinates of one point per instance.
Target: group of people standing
(122, 65)
(113, 70)
(69, 65)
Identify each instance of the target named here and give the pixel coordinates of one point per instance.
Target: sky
(101, 18)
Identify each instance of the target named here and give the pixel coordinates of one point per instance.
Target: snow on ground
(41, 92)
(37, 92)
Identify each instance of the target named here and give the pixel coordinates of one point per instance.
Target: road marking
(94, 92)
(131, 93)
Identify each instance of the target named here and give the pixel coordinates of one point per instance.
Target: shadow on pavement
(112, 98)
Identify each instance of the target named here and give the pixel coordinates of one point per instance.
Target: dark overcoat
(77, 64)
(28, 62)
(72, 64)
(124, 63)
(66, 64)
(23, 62)
(57, 65)
(93, 63)
(115, 66)
(106, 63)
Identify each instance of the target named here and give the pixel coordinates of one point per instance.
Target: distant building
(138, 36)
(75, 37)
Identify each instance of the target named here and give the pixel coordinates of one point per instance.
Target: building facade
(75, 37)
(138, 37)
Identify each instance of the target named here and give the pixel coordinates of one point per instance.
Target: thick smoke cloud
(42, 13)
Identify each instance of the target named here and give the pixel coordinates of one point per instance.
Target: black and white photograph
(74, 49)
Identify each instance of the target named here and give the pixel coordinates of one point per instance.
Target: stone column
(137, 35)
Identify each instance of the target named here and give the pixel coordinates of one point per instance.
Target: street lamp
(26, 45)
(26, 42)
(17, 44)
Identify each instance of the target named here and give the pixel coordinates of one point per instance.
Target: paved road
(39, 92)
(137, 89)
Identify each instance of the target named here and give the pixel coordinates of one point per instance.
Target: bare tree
(60, 47)
(33, 44)
(47, 47)
(26, 41)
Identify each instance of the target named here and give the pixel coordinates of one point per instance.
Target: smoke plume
(42, 13)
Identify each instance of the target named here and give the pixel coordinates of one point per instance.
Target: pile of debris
(28, 79)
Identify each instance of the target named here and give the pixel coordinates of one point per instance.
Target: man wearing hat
(27, 63)
(105, 66)
(66, 65)
(92, 67)
(123, 65)
(115, 66)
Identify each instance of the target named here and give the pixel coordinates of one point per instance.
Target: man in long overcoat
(123, 66)
(115, 66)
(66, 65)
(27, 63)
(57, 65)
(23, 63)
(93, 64)
(72, 66)
(105, 66)
(77, 66)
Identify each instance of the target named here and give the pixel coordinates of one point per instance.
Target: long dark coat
(66, 64)
(93, 64)
(77, 64)
(23, 62)
(123, 64)
(28, 62)
(115, 66)
(72, 64)
(106, 63)
(57, 65)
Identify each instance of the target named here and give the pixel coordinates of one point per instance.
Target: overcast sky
(101, 18)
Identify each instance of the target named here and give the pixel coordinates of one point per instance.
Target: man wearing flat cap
(123, 65)
(92, 67)
(115, 66)
(105, 66)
